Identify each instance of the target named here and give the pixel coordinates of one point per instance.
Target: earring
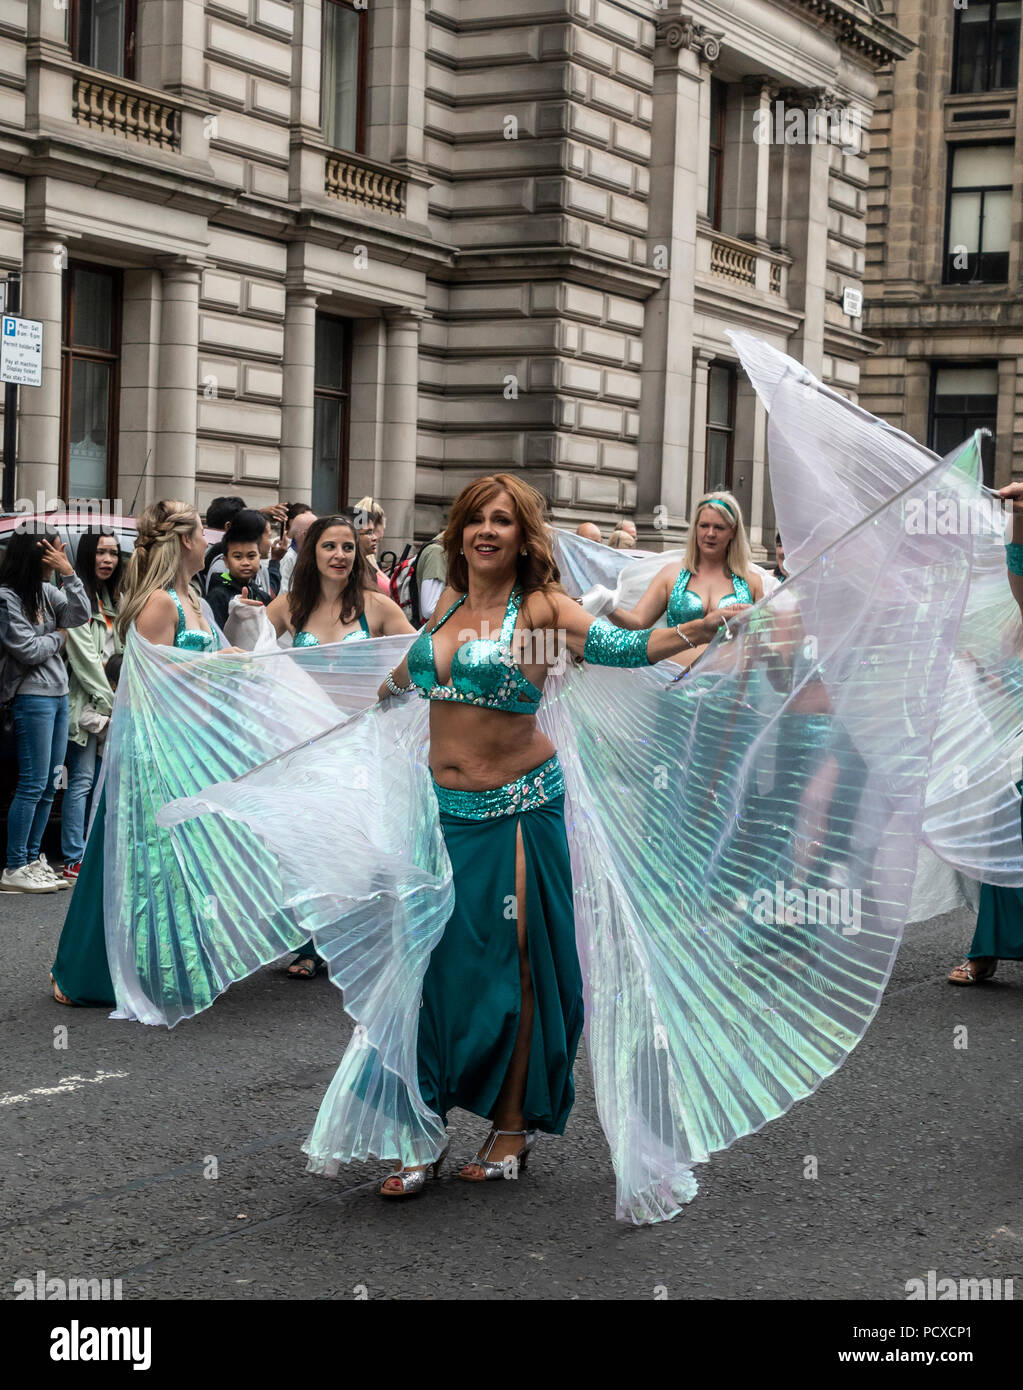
(523, 552)
(461, 552)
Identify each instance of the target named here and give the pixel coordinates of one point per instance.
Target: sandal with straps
(59, 994)
(306, 967)
(974, 972)
(504, 1167)
(413, 1180)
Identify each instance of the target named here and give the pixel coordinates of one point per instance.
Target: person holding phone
(38, 617)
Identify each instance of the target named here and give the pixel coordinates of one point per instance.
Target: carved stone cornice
(810, 98)
(682, 31)
(857, 25)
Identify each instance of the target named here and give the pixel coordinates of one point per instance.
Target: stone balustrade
(119, 110)
(358, 180)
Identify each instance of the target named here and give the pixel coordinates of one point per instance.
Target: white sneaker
(25, 880)
(43, 871)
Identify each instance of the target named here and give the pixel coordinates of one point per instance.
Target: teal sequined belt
(536, 788)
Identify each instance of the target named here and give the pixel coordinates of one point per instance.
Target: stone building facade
(944, 287)
(316, 249)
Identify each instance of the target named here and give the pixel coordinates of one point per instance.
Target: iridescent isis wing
(188, 914)
(859, 463)
(744, 843)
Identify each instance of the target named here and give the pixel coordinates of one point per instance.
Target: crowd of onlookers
(60, 656)
(60, 652)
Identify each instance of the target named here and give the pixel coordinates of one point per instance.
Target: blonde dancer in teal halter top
(158, 600)
(717, 572)
(502, 1006)
(328, 601)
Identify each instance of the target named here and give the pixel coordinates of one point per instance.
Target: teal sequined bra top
(685, 607)
(192, 639)
(306, 639)
(483, 671)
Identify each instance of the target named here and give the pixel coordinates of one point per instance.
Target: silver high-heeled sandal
(413, 1180)
(503, 1167)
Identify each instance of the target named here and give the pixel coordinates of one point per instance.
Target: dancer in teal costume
(329, 592)
(80, 972)
(502, 1002)
(999, 932)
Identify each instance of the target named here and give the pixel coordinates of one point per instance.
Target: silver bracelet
(397, 689)
(678, 629)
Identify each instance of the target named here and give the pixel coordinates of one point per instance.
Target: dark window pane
(993, 268)
(965, 399)
(712, 187)
(88, 428)
(974, 24)
(717, 461)
(101, 34)
(92, 311)
(1005, 58)
(330, 352)
(340, 75)
(326, 454)
(719, 399)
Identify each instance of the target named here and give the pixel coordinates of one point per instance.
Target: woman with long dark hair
(38, 618)
(98, 564)
(329, 601)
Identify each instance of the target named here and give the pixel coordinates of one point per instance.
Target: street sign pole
(10, 405)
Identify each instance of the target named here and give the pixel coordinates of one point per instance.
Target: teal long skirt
(81, 969)
(469, 1019)
(999, 921)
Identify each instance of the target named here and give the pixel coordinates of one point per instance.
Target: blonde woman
(159, 601)
(717, 571)
(370, 519)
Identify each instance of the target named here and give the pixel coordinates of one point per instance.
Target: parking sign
(21, 351)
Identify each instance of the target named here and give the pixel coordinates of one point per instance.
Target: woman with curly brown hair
(502, 1004)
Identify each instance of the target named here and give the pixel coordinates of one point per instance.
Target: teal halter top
(306, 639)
(483, 671)
(192, 639)
(685, 607)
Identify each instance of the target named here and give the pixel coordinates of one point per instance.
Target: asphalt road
(107, 1148)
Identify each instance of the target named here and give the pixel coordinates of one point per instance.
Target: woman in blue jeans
(38, 615)
(89, 647)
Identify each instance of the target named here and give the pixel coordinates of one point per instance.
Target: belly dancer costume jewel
(483, 671)
(684, 606)
(306, 639)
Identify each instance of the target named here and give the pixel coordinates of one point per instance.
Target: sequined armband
(607, 645)
(1014, 558)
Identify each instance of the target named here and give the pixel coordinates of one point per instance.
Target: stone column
(39, 407)
(806, 233)
(396, 94)
(401, 418)
(917, 397)
(297, 401)
(177, 401)
(665, 473)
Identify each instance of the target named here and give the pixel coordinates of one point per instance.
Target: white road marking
(66, 1083)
